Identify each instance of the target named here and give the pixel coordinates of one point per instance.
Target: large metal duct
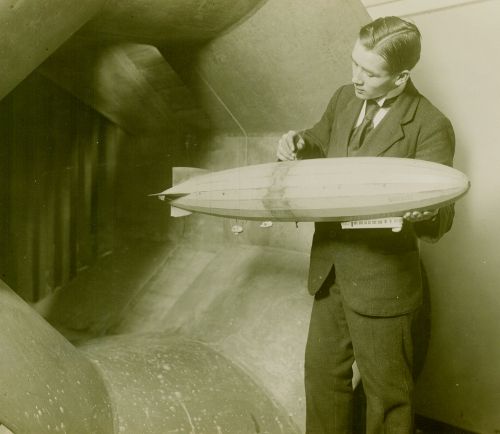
(47, 385)
(31, 30)
(160, 21)
(148, 383)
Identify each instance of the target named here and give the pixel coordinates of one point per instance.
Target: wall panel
(457, 71)
(56, 178)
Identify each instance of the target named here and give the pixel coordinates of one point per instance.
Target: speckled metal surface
(166, 384)
(139, 383)
(46, 384)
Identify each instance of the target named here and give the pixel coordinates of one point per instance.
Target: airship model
(325, 189)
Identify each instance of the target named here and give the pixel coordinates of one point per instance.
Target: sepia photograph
(249, 217)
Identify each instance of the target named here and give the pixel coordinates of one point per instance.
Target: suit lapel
(390, 130)
(347, 118)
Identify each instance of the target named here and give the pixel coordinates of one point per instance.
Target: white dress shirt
(383, 110)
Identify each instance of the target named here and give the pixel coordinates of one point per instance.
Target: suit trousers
(383, 350)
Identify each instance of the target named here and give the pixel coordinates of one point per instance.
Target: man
(367, 282)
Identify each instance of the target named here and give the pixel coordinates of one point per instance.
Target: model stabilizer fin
(178, 212)
(179, 175)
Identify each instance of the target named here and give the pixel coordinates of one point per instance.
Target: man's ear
(402, 77)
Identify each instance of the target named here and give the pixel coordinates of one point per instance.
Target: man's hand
(288, 146)
(419, 216)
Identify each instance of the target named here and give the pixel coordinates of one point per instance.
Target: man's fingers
(289, 139)
(295, 140)
(299, 144)
(285, 156)
(281, 156)
(416, 215)
(286, 147)
(412, 215)
(284, 153)
(432, 212)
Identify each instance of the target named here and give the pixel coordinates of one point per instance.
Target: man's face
(370, 74)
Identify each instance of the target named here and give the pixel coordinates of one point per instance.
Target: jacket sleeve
(317, 138)
(437, 144)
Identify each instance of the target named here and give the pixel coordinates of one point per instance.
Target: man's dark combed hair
(397, 41)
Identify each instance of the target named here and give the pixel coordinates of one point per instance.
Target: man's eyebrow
(363, 68)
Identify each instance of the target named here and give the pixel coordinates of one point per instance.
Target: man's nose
(356, 76)
(356, 79)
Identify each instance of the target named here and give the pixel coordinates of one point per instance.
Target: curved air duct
(161, 21)
(148, 383)
(33, 29)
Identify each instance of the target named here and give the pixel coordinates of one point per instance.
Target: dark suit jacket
(378, 270)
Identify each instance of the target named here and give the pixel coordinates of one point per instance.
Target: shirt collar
(391, 94)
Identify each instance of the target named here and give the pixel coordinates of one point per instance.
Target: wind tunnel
(36, 28)
(168, 325)
(130, 383)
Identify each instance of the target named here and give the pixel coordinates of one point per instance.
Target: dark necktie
(359, 133)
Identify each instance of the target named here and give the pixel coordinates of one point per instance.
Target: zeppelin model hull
(326, 189)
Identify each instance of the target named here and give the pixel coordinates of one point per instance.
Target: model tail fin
(178, 212)
(179, 175)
